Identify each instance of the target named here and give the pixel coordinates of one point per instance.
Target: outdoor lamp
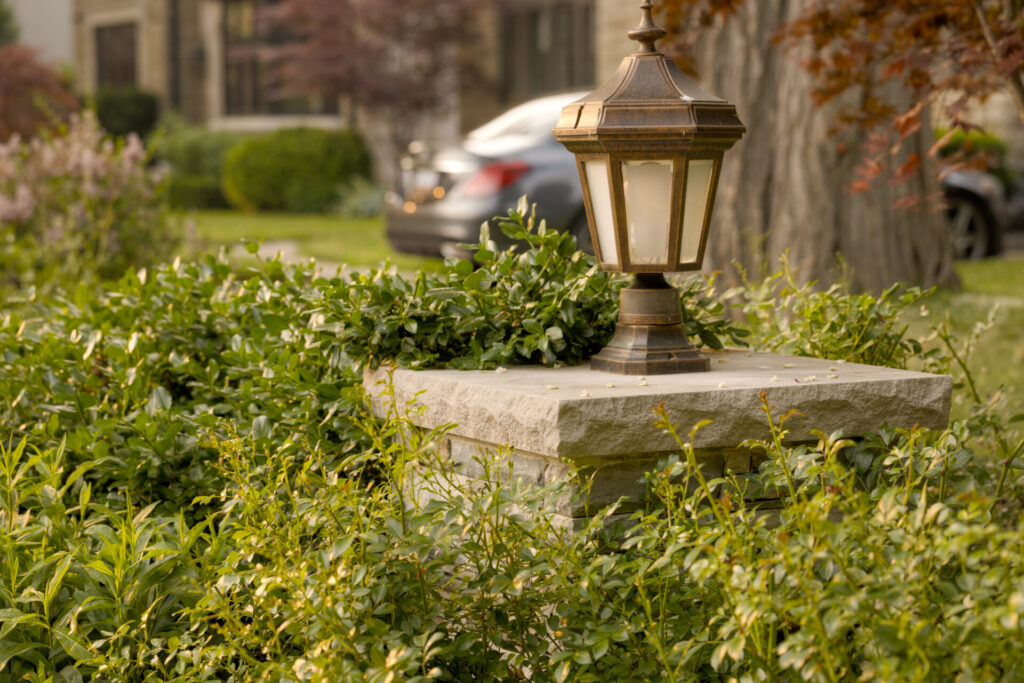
(649, 146)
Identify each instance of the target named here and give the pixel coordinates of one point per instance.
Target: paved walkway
(290, 253)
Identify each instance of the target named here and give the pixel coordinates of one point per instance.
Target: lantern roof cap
(648, 100)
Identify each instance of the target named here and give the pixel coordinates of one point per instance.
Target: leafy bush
(87, 587)
(978, 148)
(188, 352)
(802, 320)
(134, 379)
(277, 540)
(293, 170)
(127, 110)
(195, 156)
(76, 207)
(549, 304)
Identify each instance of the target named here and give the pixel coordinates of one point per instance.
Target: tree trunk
(784, 185)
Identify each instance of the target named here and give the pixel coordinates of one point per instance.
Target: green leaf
(54, 584)
(9, 651)
(159, 400)
(261, 427)
(72, 644)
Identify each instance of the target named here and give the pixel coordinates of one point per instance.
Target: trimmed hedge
(127, 110)
(297, 169)
(196, 158)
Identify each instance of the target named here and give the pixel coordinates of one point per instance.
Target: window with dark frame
(247, 90)
(547, 47)
(116, 56)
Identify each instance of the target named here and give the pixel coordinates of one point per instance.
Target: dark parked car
(450, 192)
(980, 208)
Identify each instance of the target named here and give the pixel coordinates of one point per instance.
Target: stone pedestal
(553, 420)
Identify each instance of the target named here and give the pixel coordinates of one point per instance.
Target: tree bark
(784, 185)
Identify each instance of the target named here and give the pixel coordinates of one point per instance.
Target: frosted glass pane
(698, 185)
(648, 190)
(601, 201)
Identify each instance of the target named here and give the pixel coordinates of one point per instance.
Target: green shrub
(978, 148)
(787, 317)
(549, 304)
(195, 157)
(192, 490)
(195, 192)
(77, 207)
(127, 110)
(293, 170)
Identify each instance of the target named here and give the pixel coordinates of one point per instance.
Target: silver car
(449, 193)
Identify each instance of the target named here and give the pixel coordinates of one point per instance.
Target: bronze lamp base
(649, 337)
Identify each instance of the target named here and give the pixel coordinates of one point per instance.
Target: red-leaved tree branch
(396, 60)
(32, 95)
(944, 53)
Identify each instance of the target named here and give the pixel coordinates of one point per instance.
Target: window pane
(547, 47)
(247, 86)
(115, 56)
(698, 186)
(601, 201)
(648, 189)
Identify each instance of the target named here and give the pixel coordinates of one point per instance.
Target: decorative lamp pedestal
(550, 421)
(649, 338)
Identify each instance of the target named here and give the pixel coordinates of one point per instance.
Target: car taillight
(493, 178)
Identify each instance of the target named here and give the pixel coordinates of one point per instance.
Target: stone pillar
(555, 420)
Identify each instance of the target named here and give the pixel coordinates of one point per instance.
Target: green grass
(357, 242)
(998, 360)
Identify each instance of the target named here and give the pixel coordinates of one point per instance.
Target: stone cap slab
(581, 414)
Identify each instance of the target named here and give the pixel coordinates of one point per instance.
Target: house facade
(197, 57)
(46, 26)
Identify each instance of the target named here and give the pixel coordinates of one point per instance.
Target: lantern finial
(647, 32)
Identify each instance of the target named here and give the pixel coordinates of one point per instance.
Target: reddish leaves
(31, 94)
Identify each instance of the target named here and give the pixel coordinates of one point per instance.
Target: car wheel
(581, 231)
(972, 227)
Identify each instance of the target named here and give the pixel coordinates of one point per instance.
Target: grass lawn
(354, 241)
(998, 360)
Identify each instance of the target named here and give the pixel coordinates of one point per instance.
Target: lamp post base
(649, 337)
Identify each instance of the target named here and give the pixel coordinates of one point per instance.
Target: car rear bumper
(435, 229)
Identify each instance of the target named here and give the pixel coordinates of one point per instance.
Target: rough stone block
(540, 424)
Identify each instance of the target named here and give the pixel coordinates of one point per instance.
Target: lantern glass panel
(647, 186)
(601, 205)
(698, 187)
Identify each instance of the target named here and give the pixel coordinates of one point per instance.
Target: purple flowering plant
(77, 206)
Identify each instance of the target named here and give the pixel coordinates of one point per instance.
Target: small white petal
(610, 385)
(775, 378)
(643, 384)
(500, 370)
(552, 386)
(721, 385)
(584, 393)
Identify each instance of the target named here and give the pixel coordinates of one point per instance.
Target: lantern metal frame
(648, 111)
(680, 171)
